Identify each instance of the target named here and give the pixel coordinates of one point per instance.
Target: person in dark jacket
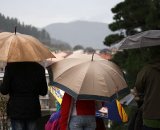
(148, 84)
(24, 82)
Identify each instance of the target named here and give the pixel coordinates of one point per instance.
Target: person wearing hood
(148, 84)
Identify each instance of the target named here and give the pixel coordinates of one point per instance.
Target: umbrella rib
(85, 74)
(111, 77)
(72, 68)
(69, 68)
(28, 38)
(120, 76)
(10, 46)
(116, 72)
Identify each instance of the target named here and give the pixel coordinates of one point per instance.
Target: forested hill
(8, 24)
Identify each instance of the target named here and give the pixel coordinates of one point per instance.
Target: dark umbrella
(143, 39)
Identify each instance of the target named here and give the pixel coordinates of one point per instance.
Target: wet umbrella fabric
(143, 39)
(83, 78)
(20, 47)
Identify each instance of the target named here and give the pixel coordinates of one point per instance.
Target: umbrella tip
(15, 30)
(92, 56)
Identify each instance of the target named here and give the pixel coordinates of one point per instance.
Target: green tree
(113, 38)
(8, 24)
(78, 47)
(153, 21)
(131, 17)
(89, 50)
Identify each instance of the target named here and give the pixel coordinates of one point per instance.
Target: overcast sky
(40, 13)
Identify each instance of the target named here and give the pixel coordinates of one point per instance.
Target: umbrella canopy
(83, 78)
(2, 65)
(143, 39)
(84, 56)
(50, 61)
(16, 47)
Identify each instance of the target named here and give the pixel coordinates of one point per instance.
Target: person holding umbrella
(147, 84)
(24, 82)
(79, 114)
(24, 78)
(86, 78)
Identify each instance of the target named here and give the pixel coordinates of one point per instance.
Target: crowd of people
(25, 81)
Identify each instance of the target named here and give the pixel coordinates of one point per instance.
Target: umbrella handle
(15, 30)
(92, 56)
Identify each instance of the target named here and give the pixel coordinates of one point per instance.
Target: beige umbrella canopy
(49, 61)
(17, 47)
(84, 56)
(86, 79)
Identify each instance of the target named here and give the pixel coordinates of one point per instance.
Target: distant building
(106, 53)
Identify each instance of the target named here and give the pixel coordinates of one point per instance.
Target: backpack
(53, 122)
(113, 111)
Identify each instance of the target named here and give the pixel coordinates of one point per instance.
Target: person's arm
(140, 83)
(43, 87)
(140, 86)
(65, 111)
(49, 69)
(4, 87)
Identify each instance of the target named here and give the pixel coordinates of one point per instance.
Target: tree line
(8, 24)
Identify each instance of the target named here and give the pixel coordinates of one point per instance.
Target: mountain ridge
(85, 33)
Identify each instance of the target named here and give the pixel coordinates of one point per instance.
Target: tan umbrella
(49, 61)
(83, 56)
(2, 65)
(16, 47)
(83, 78)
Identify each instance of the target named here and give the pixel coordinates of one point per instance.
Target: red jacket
(83, 107)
